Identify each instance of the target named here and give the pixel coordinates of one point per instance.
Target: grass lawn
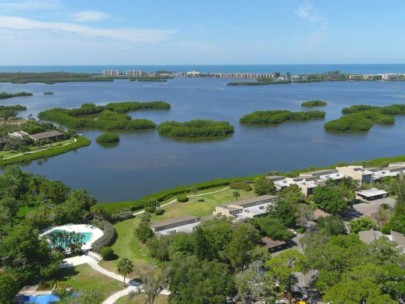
(7, 154)
(127, 244)
(140, 299)
(84, 278)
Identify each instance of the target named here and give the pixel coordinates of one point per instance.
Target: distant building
(356, 77)
(248, 208)
(18, 134)
(177, 224)
(357, 173)
(111, 72)
(49, 135)
(389, 76)
(133, 73)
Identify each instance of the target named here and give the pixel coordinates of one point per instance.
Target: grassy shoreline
(81, 142)
(166, 194)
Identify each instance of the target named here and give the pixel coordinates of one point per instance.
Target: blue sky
(90, 32)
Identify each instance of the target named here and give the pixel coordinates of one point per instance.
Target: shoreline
(116, 207)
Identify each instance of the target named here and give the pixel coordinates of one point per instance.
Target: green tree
(143, 232)
(303, 214)
(236, 195)
(273, 227)
(9, 288)
(244, 238)
(263, 185)
(283, 266)
(330, 198)
(400, 192)
(331, 225)
(125, 267)
(361, 224)
(254, 285)
(77, 206)
(27, 256)
(153, 282)
(285, 211)
(192, 281)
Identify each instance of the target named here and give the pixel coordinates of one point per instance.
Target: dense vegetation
(7, 112)
(313, 103)
(50, 77)
(360, 118)
(108, 138)
(4, 95)
(274, 117)
(109, 117)
(195, 128)
(29, 203)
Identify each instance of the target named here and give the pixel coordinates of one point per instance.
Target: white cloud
(30, 5)
(307, 12)
(133, 35)
(90, 16)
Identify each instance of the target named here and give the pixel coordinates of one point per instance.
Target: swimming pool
(41, 299)
(85, 237)
(88, 233)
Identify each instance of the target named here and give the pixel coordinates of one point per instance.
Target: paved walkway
(93, 263)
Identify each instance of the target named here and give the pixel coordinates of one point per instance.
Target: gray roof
(371, 192)
(45, 135)
(253, 200)
(275, 177)
(369, 236)
(173, 220)
(319, 172)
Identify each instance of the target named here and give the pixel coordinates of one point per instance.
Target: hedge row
(240, 186)
(108, 238)
(115, 207)
(81, 142)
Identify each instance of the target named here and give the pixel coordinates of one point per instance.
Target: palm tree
(125, 267)
(236, 195)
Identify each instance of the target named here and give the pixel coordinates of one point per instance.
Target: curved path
(189, 196)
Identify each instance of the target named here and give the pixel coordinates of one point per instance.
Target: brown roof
(269, 243)
(318, 213)
(45, 135)
(173, 220)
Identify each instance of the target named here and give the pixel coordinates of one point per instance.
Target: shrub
(240, 186)
(150, 209)
(160, 211)
(108, 138)
(108, 237)
(201, 200)
(107, 253)
(182, 198)
(122, 216)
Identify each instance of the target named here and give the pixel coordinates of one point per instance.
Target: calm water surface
(145, 162)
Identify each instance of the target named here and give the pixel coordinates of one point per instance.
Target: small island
(48, 93)
(109, 117)
(361, 118)
(313, 103)
(198, 128)
(276, 117)
(4, 95)
(108, 138)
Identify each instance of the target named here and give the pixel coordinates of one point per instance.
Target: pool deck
(96, 233)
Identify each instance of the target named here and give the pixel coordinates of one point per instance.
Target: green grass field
(84, 278)
(128, 246)
(140, 299)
